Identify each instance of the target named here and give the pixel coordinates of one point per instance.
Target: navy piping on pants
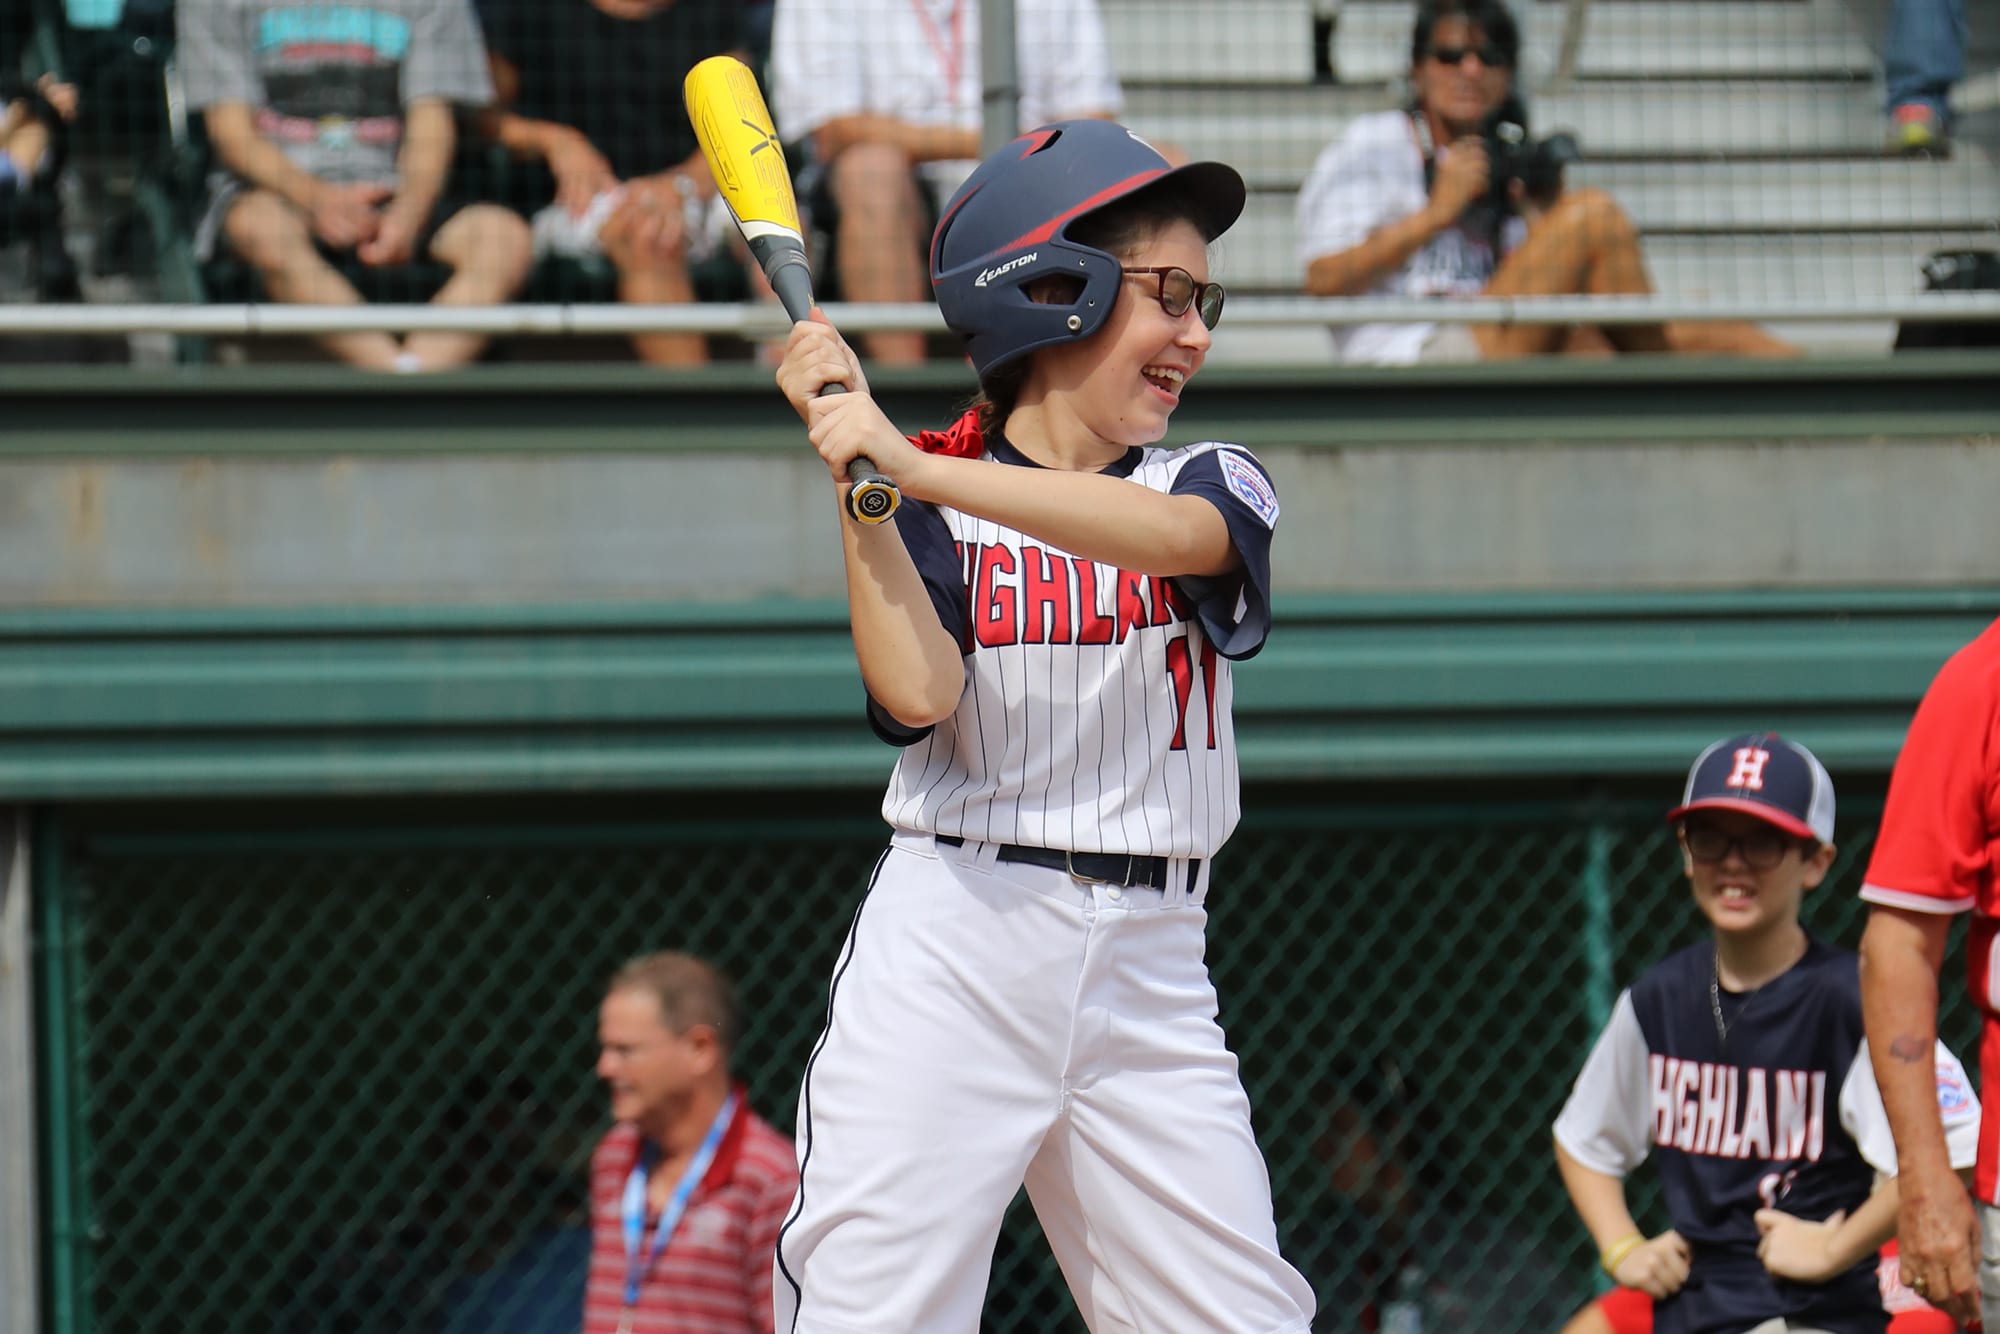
(805, 1091)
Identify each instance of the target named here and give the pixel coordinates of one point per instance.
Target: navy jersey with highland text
(1784, 1114)
(1096, 711)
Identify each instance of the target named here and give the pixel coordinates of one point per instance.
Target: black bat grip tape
(872, 498)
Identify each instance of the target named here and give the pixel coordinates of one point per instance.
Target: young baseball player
(1738, 1065)
(1046, 628)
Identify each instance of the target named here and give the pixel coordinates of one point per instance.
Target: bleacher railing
(755, 320)
(1745, 141)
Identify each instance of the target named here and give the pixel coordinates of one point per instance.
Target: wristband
(1614, 1254)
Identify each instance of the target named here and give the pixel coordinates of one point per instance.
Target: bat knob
(873, 500)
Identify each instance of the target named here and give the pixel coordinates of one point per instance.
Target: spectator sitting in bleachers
(31, 128)
(42, 208)
(34, 127)
(1402, 205)
(335, 126)
(888, 94)
(592, 89)
(1923, 55)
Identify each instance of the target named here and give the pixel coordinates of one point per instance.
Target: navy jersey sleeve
(936, 557)
(1235, 609)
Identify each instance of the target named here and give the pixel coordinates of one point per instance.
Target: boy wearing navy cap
(1738, 1065)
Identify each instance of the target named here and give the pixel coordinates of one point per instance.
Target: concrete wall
(467, 528)
(605, 484)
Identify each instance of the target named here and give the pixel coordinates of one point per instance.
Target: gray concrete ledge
(606, 484)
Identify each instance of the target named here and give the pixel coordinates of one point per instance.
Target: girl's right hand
(816, 356)
(1658, 1267)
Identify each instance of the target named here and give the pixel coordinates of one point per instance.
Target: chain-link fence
(342, 1079)
(1781, 157)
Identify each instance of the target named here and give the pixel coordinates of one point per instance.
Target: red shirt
(1939, 849)
(714, 1275)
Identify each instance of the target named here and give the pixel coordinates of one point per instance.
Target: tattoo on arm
(1910, 1050)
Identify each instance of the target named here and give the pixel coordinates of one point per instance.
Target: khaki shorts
(1449, 344)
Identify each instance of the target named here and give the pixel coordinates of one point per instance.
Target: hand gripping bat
(741, 145)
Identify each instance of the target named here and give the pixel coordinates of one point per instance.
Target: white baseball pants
(992, 1023)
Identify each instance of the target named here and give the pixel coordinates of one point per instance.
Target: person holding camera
(1450, 196)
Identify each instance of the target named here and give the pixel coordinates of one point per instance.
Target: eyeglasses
(1490, 55)
(1178, 290)
(1761, 849)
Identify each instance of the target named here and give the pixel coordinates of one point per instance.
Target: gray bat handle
(873, 498)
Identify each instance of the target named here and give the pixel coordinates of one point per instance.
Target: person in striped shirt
(689, 1188)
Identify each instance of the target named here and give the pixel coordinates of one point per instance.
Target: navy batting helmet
(1008, 225)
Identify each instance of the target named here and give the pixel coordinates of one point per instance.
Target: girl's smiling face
(1124, 382)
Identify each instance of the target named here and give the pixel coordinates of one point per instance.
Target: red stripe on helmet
(1110, 192)
(1035, 140)
(937, 234)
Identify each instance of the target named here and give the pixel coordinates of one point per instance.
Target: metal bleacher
(1743, 136)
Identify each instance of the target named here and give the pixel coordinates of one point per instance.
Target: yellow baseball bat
(741, 145)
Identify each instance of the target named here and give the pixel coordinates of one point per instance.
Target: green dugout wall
(346, 783)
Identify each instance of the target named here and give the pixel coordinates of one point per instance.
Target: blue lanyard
(634, 1209)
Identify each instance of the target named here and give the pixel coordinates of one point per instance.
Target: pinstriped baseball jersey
(1096, 712)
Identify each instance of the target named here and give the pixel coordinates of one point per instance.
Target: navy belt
(1097, 868)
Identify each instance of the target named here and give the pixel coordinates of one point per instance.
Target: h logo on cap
(1749, 770)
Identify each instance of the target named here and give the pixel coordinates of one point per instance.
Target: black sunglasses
(1489, 53)
(1761, 849)
(1179, 290)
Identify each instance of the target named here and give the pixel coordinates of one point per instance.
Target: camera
(1516, 155)
(1512, 154)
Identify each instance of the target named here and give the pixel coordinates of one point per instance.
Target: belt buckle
(1069, 864)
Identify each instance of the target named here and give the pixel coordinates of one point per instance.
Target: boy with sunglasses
(1738, 1065)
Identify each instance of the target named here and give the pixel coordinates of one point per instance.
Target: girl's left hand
(1797, 1248)
(843, 427)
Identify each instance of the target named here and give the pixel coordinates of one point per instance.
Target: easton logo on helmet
(987, 275)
